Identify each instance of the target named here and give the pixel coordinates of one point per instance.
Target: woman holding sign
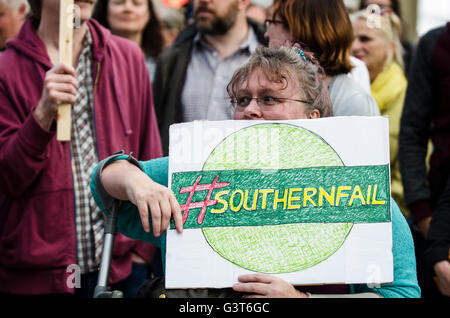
(276, 83)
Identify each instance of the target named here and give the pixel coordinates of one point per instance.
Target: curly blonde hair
(281, 65)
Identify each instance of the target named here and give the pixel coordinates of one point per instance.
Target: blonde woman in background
(377, 43)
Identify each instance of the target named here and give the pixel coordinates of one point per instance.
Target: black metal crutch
(112, 205)
(101, 290)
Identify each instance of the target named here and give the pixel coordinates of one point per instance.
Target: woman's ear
(22, 11)
(314, 114)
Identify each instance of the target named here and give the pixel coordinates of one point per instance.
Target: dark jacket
(426, 114)
(37, 217)
(439, 233)
(170, 76)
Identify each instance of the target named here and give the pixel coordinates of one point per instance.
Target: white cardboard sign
(305, 200)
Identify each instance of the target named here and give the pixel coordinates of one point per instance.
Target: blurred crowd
(140, 66)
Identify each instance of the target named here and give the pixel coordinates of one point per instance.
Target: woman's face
(369, 46)
(277, 33)
(127, 16)
(259, 86)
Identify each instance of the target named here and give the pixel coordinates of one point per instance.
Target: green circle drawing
(280, 248)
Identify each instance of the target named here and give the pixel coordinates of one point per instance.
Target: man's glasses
(266, 101)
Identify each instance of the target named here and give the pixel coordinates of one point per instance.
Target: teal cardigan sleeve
(405, 276)
(128, 220)
(405, 283)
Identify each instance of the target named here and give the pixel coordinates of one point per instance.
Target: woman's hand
(125, 181)
(262, 285)
(148, 195)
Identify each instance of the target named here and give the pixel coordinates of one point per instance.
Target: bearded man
(192, 75)
(51, 230)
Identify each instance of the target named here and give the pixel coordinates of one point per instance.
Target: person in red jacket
(51, 231)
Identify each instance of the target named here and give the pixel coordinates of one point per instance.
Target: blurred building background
(432, 13)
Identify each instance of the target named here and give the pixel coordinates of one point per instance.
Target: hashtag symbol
(201, 204)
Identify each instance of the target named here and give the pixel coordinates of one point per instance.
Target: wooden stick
(64, 121)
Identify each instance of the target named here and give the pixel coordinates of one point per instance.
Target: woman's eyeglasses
(262, 101)
(268, 22)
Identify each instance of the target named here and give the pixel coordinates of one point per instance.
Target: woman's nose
(356, 45)
(252, 111)
(128, 5)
